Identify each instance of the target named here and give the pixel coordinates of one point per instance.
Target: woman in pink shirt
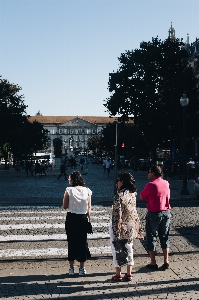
(157, 195)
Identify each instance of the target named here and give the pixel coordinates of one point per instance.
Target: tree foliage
(126, 133)
(17, 134)
(95, 142)
(148, 86)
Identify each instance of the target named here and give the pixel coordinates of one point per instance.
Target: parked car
(2, 162)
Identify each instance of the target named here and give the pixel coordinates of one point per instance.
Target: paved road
(47, 189)
(33, 248)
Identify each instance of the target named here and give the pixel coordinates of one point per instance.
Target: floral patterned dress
(125, 220)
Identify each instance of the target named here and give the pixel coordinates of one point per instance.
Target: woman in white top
(77, 201)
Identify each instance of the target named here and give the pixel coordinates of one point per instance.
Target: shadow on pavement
(90, 288)
(191, 233)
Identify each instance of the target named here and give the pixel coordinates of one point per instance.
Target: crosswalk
(37, 232)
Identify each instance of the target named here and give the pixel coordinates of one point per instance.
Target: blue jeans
(157, 224)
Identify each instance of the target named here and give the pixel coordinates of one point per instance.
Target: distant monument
(39, 113)
(57, 143)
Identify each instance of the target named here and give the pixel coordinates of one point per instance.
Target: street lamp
(116, 143)
(184, 101)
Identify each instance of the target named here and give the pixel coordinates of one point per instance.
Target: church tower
(172, 33)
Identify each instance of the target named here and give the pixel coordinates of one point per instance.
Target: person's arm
(141, 197)
(89, 207)
(117, 217)
(65, 200)
(144, 193)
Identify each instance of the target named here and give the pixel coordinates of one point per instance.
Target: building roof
(63, 119)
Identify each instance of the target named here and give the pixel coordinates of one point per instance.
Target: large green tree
(17, 134)
(148, 86)
(128, 140)
(95, 143)
(12, 109)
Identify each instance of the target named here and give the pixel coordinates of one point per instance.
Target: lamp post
(116, 142)
(184, 101)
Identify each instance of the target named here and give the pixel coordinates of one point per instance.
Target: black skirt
(76, 230)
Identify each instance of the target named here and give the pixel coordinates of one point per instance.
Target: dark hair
(128, 181)
(156, 170)
(77, 179)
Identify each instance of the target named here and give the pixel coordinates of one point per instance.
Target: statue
(57, 143)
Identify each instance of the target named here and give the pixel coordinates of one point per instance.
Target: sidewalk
(50, 280)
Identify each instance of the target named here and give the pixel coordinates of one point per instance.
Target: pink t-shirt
(157, 195)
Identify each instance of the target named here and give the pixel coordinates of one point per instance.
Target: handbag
(121, 252)
(89, 227)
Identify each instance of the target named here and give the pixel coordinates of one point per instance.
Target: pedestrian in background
(104, 165)
(157, 195)
(62, 170)
(192, 168)
(167, 169)
(18, 168)
(38, 168)
(86, 164)
(77, 201)
(82, 161)
(43, 167)
(125, 223)
(108, 164)
(27, 167)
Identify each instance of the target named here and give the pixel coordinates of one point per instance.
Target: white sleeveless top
(78, 199)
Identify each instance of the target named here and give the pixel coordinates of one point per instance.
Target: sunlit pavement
(24, 278)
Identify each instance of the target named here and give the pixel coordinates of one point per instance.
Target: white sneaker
(82, 271)
(71, 272)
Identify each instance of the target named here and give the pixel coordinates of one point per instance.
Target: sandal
(128, 277)
(116, 278)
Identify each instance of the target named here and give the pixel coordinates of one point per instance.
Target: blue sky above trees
(61, 51)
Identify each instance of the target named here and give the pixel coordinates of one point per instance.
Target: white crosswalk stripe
(45, 225)
(29, 232)
(49, 251)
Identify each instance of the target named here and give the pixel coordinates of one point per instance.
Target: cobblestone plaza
(31, 270)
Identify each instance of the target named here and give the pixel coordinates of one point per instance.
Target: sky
(60, 52)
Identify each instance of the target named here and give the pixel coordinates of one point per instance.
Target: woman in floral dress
(125, 223)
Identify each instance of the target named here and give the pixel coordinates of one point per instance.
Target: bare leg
(166, 255)
(129, 269)
(118, 271)
(152, 257)
(71, 264)
(81, 265)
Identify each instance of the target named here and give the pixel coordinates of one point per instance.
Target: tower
(172, 33)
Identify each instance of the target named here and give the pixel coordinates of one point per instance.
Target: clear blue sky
(60, 52)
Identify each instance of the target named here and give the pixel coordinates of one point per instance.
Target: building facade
(73, 131)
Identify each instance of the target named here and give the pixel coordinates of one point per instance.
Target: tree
(127, 136)
(148, 87)
(12, 108)
(17, 134)
(95, 143)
